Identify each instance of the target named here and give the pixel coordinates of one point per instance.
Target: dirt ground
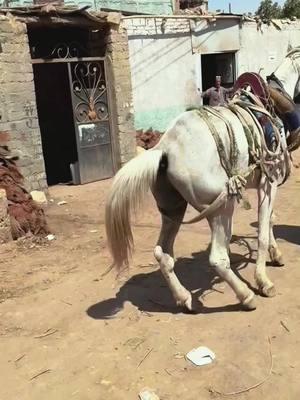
(67, 332)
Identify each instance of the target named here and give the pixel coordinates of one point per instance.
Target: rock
(148, 394)
(50, 237)
(62, 203)
(105, 382)
(39, 197)
(114, 18)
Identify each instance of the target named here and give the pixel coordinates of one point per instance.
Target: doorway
(73, 103)
(217, 64)
(55, 115)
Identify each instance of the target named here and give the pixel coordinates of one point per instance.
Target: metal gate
(91, 119)
(91, 113)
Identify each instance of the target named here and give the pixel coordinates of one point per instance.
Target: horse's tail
(129, 188)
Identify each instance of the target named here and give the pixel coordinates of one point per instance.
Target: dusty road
(68, 333)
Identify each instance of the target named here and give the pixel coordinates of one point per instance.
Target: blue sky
(237, 6)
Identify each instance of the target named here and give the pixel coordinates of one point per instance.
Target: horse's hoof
(187, 303)
(268, 290)
(278, 261)
(276, 257)
(158, 253)
(249, 303)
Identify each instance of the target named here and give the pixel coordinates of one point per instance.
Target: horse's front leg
(275, 253)
(266, 196)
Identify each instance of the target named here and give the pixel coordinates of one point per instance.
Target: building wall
(124, 141)
(19, 127)
(165, 59)
(155, 7)
(138, 6)
(263, 50)
(163, 70)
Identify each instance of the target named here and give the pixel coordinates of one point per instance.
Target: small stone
(39, 197)
(104, 382)
(148, 394)
(51, 237)
(62, 203)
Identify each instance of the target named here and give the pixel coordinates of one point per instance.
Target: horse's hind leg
(275, 253)
(172, 207)
(163, 253)
(266, 196)
(221, 225)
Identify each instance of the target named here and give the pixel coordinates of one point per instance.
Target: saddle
(257, 85)
(251, 88)
(269, 95)
(274, 99)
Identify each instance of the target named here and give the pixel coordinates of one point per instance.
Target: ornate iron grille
(89, 91)
(60, 51)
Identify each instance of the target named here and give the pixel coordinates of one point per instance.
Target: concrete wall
(165, 59)
(163, 70)
(212, 37)
(19, 127)
(263, 50)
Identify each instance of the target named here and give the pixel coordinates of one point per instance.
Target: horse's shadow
(149, 292)
(290, 233)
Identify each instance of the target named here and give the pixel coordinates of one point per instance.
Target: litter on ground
(201, 356)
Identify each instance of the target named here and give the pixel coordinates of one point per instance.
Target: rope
(265, 157)
(236, 180)
(261, 156)
(252, 139)
(268, 160)
(203, 112)
(234, 152)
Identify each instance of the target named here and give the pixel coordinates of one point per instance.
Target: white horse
(185, 168)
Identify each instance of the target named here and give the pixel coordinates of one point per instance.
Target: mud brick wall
(117, 47)
(19, 127)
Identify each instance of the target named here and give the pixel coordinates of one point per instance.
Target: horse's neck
(288, 76)
(282, 103)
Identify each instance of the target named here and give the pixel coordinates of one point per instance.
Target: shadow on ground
(149, 291)
(290, 233)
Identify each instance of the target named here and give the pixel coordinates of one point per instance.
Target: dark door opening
(73, 102)
(55, 115)
(212, 65)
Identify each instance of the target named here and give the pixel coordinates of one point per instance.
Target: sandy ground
(66, 332)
